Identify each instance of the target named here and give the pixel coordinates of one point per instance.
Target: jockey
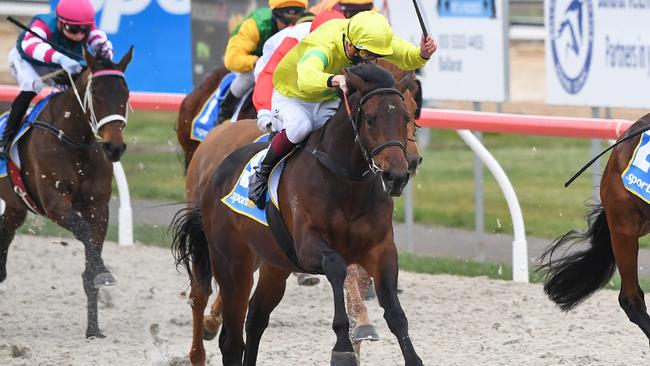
(348, 8)
(274, 51)
(70, 27)
(304, 98)
(245, 46)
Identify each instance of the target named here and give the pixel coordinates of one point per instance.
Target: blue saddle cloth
(27, 123)
(237, 200)
(206, 119)
(636, 177)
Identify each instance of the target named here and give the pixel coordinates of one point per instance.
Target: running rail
(461, 121)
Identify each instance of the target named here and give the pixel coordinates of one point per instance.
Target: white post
(125, 216)
(519, 244)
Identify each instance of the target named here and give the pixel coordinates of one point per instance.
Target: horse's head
(381, 124)
(106, 100)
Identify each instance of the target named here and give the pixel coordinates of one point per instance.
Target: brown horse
(368, 148)
(191, 106)
(68, 173)
(229, 137)
(615, 227)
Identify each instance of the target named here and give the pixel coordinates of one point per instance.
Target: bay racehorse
(191, 106)
(615, 226)
(228, 137)
(334, 221)
(68, 172)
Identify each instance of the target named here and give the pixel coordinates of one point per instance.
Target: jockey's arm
(264, 85)
(405, 55)
(98, 41)
(311, 71)
(37, 49)
(239, 57)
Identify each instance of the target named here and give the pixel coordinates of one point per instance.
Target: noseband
(87, 103)
(359, 117)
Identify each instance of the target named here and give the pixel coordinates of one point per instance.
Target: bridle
(360, 117)
(87, 103)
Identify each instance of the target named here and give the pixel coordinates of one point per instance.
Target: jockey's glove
(265, 120)
(69, 65)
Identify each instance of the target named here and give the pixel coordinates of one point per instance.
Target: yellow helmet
(355, 2)
(370, 31)
(277, 4)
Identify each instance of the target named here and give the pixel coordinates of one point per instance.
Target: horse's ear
(89, 58)
(405, 83)
(355, 83)
(126, 59)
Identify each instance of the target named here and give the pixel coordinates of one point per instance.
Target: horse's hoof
(95, 335)
(208, 335)
(365, 333)
(3, 276)
(344, 359)
(307, 280)
(104, 279)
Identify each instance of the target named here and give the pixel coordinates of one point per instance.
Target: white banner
(470, 64)
(598, 52)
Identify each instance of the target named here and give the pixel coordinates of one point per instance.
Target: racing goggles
(367, 55)
(76, 29)
(288, 15)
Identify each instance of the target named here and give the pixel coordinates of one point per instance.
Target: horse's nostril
(420, 162)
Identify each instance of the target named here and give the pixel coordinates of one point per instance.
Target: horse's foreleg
(631, 297)
(212, 321)
(9, 222)
(269, 292)
(335, 270)
(198, 301)
(382, 266)
(88, 226)
(357, 282)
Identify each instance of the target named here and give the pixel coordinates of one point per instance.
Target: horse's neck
(67, 113)
(337, 139)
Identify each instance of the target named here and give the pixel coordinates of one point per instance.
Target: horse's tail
(576, 276)
(190, 245)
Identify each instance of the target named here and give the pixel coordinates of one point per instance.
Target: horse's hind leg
(269, 292)
(357, 282)
(198, 301)
(9, 222)
(212, 321)
(381, 263)
(625, 245)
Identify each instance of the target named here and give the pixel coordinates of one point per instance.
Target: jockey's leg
(280, 146)
(29, 83)
(242, 83)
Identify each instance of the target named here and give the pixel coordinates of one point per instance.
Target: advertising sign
(160, 32)
(471, 62)
(598, 53)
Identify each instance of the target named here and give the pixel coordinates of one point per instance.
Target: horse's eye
(371, 120)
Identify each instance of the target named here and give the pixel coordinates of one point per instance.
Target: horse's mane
(103, 60)
(374, 75)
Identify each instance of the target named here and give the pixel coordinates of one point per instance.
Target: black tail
(190, 245)
(579, 274)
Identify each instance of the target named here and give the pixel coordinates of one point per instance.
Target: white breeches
(242, 83)
(299, 117)
(27, 75)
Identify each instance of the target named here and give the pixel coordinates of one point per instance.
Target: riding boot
(257, 185)
(227, 107)
(18, 109)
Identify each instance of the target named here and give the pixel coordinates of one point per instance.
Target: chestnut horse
(191, 106)
(68, 173)
(615, 226)
(208, 237)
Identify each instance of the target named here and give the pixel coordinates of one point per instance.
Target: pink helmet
(77, 12)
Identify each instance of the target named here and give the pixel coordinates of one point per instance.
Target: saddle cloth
(206, 119)
(237, 200)
(636, 177)
(31, 116)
